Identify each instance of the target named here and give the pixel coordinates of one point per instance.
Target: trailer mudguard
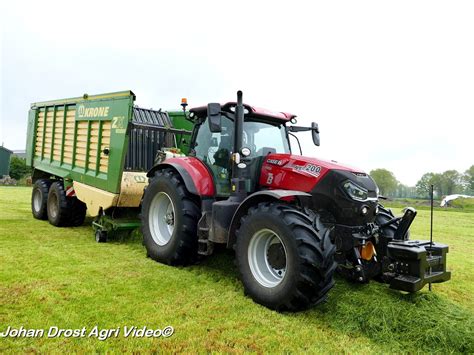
(196, 177)
(254, 199)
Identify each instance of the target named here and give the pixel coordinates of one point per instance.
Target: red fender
(196, 176)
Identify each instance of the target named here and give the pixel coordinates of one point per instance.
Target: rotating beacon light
(184, 103)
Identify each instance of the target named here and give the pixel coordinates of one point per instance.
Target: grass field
(61, 277)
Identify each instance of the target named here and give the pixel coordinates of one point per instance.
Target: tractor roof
(256, 112)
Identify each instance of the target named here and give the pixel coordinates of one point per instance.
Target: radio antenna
(431, 226)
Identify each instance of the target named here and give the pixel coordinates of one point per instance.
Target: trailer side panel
(84, 141)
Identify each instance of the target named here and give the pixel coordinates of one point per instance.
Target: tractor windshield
(215, 149)
(262, 138)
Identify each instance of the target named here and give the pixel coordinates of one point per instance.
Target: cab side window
(215, 149)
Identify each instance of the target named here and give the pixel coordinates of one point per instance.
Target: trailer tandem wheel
(62, 210)
(39, 198)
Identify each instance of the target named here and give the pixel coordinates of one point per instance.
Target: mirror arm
(299, 145)
(301, 129)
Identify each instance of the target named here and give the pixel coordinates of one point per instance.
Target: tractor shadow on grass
(220, 266)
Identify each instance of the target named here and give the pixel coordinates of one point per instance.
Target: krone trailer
(91, 153)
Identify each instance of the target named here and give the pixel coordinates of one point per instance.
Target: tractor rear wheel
(39, 198)
(285, 259)
(170, 215)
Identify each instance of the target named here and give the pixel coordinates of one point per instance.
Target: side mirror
(315, 133)
(214, 117)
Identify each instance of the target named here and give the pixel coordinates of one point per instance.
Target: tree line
(446, 183)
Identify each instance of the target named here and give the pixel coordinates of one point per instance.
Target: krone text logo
(102, 111)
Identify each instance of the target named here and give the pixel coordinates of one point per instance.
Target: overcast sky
(391, 84)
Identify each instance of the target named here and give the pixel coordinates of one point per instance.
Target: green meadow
(61, 277)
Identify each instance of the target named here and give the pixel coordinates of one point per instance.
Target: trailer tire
(170, 215)
(296, 241)
(39, 199)
(59, 206)
(78, 211)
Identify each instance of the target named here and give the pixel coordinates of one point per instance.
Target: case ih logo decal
(314, 170)
(83, 112)
(275, 162)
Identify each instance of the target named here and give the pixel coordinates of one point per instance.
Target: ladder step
(205, 247)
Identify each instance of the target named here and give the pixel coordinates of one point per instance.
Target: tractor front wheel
(170, 215)
(383, 216)
(387, 232)
(285, 259)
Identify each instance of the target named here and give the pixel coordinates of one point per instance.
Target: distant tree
(451, 182)
(423, 186)
(386, 181)
(405, 191)
(447, 183)
(18, 168)
(468, 180)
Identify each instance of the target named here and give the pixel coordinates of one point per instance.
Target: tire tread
(316, 257)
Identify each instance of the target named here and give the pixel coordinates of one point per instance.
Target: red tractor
(292, 220)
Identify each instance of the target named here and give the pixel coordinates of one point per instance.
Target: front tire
(286, 262)
(170, 215)
(39, 199)
(388, 232)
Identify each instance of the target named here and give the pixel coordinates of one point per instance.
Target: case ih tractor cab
(292, 220)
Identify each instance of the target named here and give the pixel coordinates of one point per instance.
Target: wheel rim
(37, 200)
(161, 218)
(267, 258)
(53, 205)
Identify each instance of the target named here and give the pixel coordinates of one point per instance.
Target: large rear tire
(39, 198)
(285, 259)
(170, 215)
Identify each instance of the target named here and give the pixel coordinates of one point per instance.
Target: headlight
(354, 191)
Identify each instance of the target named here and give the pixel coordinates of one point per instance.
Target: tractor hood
(348, 193)
(296, 172)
